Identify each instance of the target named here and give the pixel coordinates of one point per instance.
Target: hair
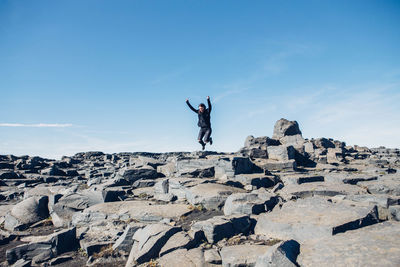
(202, 105)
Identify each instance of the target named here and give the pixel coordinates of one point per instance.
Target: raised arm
(209, 104)
(190, 106)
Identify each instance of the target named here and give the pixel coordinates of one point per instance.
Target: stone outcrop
(283, 200)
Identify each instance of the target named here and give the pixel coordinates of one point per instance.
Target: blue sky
(114, 75)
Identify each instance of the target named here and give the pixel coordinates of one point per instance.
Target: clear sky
(114, 75)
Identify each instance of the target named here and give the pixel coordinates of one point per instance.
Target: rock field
(280, 201)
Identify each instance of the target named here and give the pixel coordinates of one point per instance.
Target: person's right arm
(190, 106)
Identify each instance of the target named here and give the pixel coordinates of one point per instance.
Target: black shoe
(202, 144)
(210, 141)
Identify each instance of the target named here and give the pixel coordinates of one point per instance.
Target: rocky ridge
(280, 201)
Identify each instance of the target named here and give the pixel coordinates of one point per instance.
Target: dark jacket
(204, 118)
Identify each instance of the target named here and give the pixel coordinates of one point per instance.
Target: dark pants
(206, 133)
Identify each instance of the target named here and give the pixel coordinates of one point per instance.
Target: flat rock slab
(321, 189)
(375, 245)
(389, 185)
(242, 255)
(141, 210)
(183, 258)
(210, 195)
(314, 217)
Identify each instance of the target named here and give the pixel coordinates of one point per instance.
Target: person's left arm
(209, 104)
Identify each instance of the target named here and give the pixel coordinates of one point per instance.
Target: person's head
(202, 107)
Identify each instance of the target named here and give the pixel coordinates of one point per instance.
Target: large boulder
(220, 227)
(249, 203)
(27, 212)
(284, 128)
(45, 247)
(133, 174)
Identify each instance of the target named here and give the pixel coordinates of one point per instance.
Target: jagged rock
(178, 240)
(133, 174)
(53, 171)
(241, 255)
(284, 127)
(301, 179)
(249, 203)
(210, 195)
(26, 212)
(220, 227)
(315, 217)
(148, 242)
(183, 257)
(375, 245)
(125, 241)
(255, 179)
(81, 200)
(58, 243)
(283, 254)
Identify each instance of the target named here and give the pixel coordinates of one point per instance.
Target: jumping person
(204, 122)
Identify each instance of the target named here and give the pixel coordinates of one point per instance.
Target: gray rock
(53, 171)
(268, 164)
(255, 179)
(241, 255)
(81, 200)
(281, 153)
(284, 127)
(283, 254)
(375, 245)
(178, 240)
(134, 174)
(320, 189)
(22, 263)
(220, 227)
(9, 174)
(249, 203)
(315, 217)
(301, 179)
(384, 185)
(161, 187)
(148, 242)
(183, 257)
(125, 241)
(58, 243)
(210, 195)
(26, 212)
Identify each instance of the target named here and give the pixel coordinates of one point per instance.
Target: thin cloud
(37, 125)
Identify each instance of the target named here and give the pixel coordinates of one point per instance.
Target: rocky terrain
(279, 201)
